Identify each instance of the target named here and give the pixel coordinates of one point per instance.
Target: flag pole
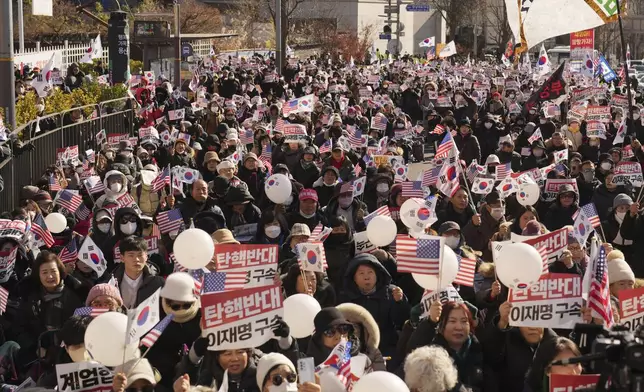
(624, 64)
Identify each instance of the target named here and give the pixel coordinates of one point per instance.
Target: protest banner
(448, 294)
(585, 93)
(153, 248)
(554, 301)
(258, 261)
(294, 133)
(83, 376)
(67, 155)
(572, 382)
(12, 228)
(631, 308)
(7, 263)
(596, 129)
(554, 242)
(552, 187)
(362, 243)
(113, 139)
(443, 102)
(241, 318)
(619, 100)
(628, 173)
(598, 113)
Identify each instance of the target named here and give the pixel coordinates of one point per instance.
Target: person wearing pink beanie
(105, 295)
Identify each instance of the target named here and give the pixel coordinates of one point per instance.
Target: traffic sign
(417, 8)
(186, 49)
(384, 36)
(391, 9)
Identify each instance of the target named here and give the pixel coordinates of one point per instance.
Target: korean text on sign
(258, 261)
(241, 318)
(572, 382)
(631, 306)
(445, 295)
(553, 302)
(555, 242)
(83, 376)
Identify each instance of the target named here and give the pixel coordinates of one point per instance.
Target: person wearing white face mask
(612, 225)
(276, 373)
(347, 206)
(116, 185)
(126, 223)
(451, 231)
(272, 229)
(101, 228)
(492, 215)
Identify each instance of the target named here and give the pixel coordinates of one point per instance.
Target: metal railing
(59, 130)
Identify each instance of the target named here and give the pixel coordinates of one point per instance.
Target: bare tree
(456, 12)
(65, 22)
(496, 18)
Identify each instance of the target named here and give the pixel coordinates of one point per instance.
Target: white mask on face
(284, 387)
(272, 231)
(636, 116)
(307, 216)
(382, 188)
(128, 228)
(606, 166)
(104, 227)
(116, 187)
(78, 355)
(345, 201)
(452, 242)
(488, 125)
(542, 121)
(497, 213)
(537, 153)
(619, 217)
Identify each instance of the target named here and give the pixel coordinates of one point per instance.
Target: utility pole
(278, 36)
(8, 90)
(398, 2)
(21, 27)
(177, 45)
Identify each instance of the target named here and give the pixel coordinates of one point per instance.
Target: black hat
(465, 121)
(447, 226)
(279, 167)
(327, 318)
(492, 197)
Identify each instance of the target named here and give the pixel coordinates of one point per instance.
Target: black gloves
(200, 346)
(281, 329)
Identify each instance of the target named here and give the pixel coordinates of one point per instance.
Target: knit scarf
(183, 315)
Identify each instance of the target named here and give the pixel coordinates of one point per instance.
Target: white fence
(65, 55)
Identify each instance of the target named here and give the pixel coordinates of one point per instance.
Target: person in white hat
(226, 169)
(276, 373)
(136, 374)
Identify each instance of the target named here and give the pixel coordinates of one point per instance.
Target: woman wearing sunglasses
(276, 373)
(330, 328)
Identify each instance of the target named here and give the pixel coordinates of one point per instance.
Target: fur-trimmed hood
(487, 270)
(356, 314)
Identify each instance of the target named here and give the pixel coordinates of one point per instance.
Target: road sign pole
(8, 90)
(177, 45)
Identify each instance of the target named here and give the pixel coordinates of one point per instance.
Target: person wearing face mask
(561, 212)
(199, 201)
(377, 189)
(306, 171)
(239, 208)
(605, 166)
(605, 194)
(345, 205)
(507, 154)
(289, 153)
(116, 185)
(325, 185)
(253, 173)
(586, 182)
(492, 215)
(537, 158)
(299, 233)
(271, 229)
(496, 107)
(467, 143)
(612, 225)
(74, 78)
(101, 232)
(635, 126)
(142, 193)
(127, 222)
(132, 161)
(276, 373)
(487, 133)
(590, 151)
(183, 155)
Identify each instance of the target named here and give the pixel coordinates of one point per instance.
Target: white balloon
(381, 230)
(448, 271)
(518, 265)
(380, 381)
(56, 222)
(278, 188)
(528, 194)
(105, 339)
(194, 248)
(299, 312)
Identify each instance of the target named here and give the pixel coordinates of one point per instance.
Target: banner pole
(624, 63)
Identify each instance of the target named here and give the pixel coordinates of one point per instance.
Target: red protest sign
(241, 318)
(555, 242)
(571, 383)
(258, 261)
(631, 308)
(554, 301)
(582, 40)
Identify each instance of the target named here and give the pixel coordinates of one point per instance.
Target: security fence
(77, 126)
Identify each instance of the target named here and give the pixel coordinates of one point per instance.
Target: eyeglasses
(278, 379)
(125, 219)
(147, 388)
(341, 329)
(180, 306)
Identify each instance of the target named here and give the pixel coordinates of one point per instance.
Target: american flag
(445, 147)
(126, 200)
(197, 275)
(536, 135)
(598, 295)
(290, 106)
(39, 227)
(438, 130)
(279, 124)
(356, 139)
(326, 147)
(54, 186)
(591, 214)
(344, 373)
(94, 184)
(68, 200)
(502, 171)
(382, 211)
(466, 271)
(83, 212)
(421, 256)
(267, 152)
(473, 170)
(90, 311)
(169, 220)
(412, 189)
(69, 254)
(215, 282)
(246, 136)
(161, 180)
(151, 337)
(4, 298)
(379, 121)
(320, 233)
(431, 176)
